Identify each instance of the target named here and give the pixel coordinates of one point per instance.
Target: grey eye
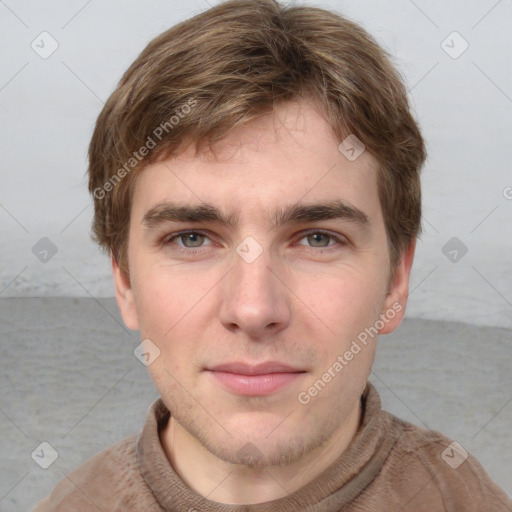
(192, 239)
(318, 239)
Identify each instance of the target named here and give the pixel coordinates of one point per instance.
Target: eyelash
(169, 239)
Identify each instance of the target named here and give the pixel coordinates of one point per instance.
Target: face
(261, 274)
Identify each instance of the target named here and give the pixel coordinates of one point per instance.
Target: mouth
(255, 380)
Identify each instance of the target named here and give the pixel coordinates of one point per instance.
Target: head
(229, 125)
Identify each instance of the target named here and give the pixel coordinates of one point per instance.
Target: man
(256, 182)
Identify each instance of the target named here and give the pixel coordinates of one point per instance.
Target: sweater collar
(354, 469)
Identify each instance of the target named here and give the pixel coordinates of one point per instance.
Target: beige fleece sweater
(390, 466)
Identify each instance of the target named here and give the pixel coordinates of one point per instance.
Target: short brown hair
(225, 66)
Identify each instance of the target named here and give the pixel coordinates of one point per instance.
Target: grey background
(67, 371)
(70, 378)
(49, 106)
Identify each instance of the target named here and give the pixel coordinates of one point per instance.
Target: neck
(221, 481)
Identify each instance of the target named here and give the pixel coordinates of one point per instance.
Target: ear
(396, 299)
(124, 296)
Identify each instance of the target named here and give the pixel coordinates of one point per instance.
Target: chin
(261, 453)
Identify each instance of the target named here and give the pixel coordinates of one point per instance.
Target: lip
(255, 369)
(255, 380)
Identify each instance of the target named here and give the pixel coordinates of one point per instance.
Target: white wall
(464, 105)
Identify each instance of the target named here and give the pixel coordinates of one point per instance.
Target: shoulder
(108, 481)
(427, 466)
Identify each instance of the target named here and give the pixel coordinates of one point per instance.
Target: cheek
(345, 302)
(155, 304)
(173, 307)
(342, 308)
(162, 294)
(345, 310)
(166, 315)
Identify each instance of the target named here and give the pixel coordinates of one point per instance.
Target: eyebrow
(292, 214)
(299, 212)
(165, 212)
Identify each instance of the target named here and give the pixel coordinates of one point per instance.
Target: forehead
(288, 156)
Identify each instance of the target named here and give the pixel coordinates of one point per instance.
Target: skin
(302, 301)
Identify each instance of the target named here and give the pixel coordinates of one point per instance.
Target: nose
(254, 300)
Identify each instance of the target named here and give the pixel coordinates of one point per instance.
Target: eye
(321, 239)
(188, 239)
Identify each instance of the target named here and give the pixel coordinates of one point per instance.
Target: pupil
(193, 240)
(318, 239)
